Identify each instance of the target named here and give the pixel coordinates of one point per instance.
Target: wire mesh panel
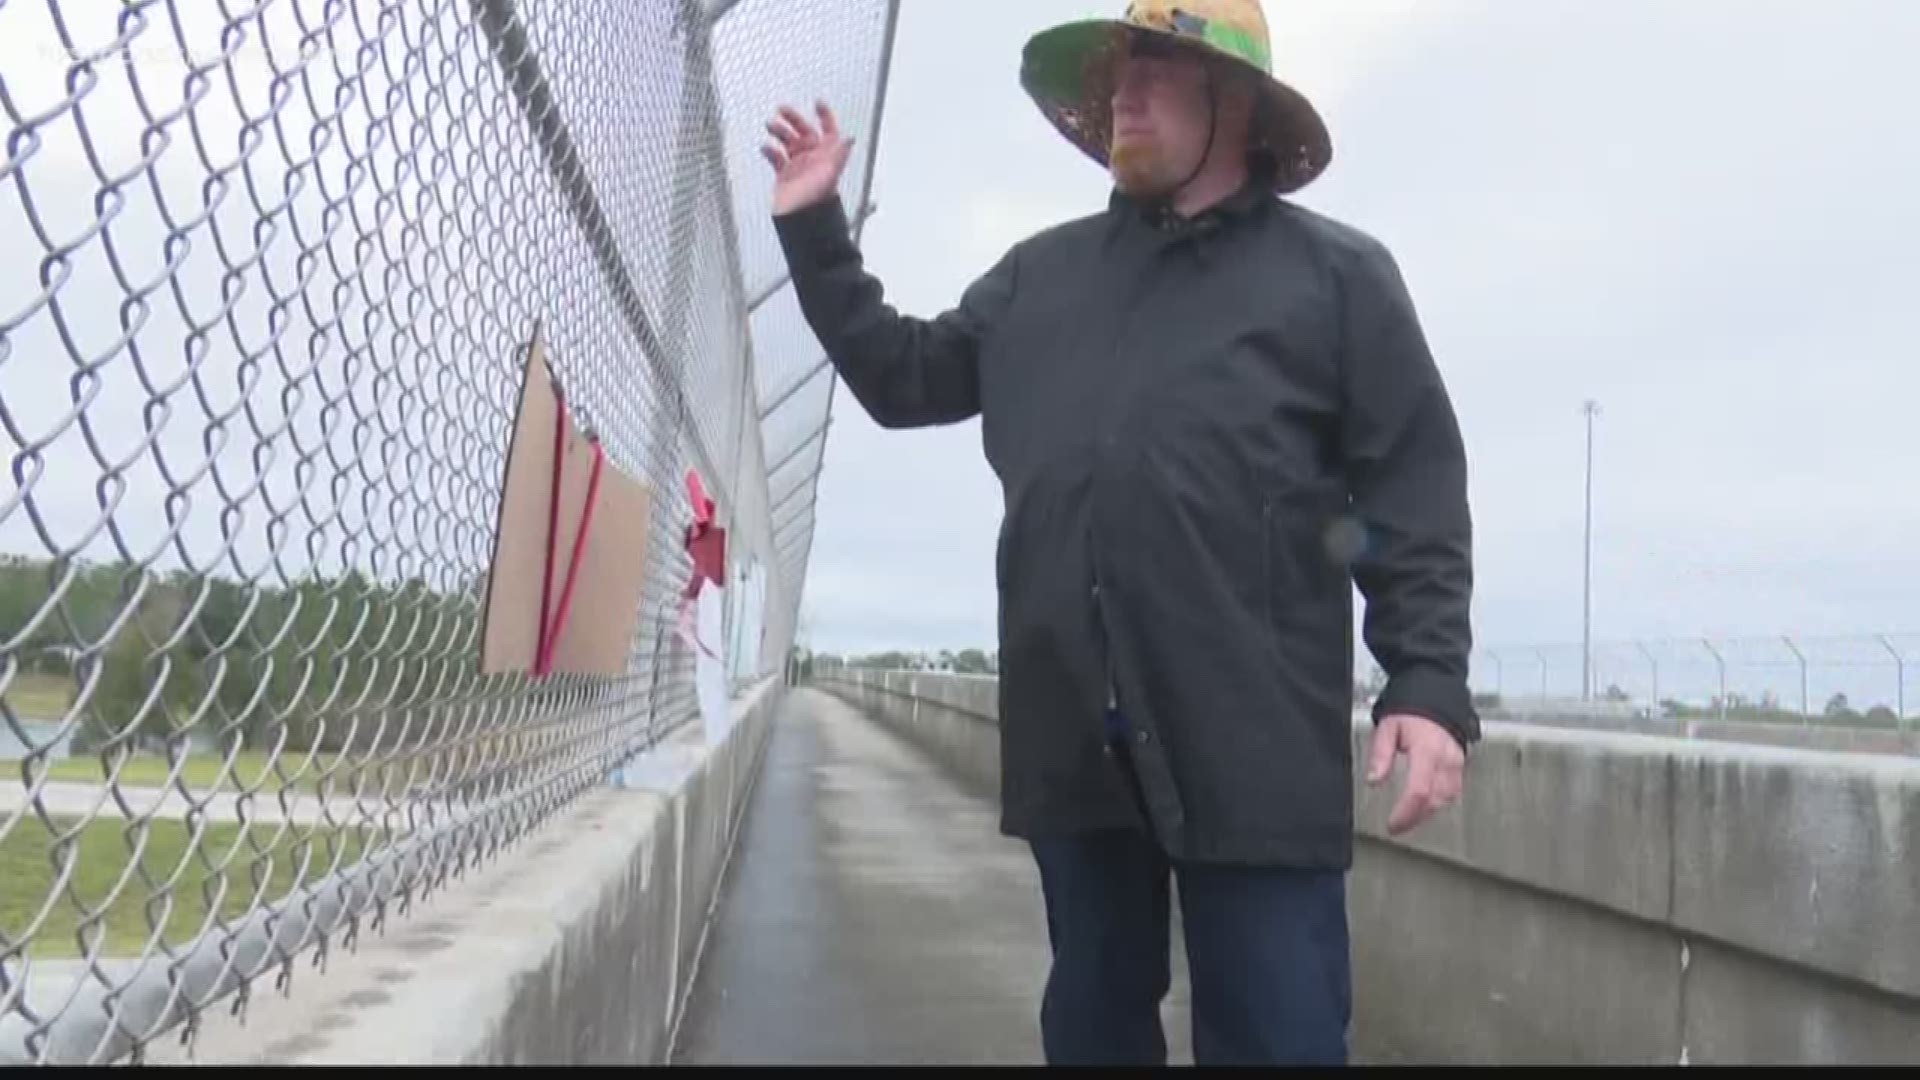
(268, 277)
(760, 67)
(792, 362)
(1856, 680)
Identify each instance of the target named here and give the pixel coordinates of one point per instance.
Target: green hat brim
(1064, 69)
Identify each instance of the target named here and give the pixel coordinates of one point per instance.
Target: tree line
(150, 653)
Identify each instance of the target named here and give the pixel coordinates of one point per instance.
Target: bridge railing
(269, 275)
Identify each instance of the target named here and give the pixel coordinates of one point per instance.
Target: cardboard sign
(570, 545)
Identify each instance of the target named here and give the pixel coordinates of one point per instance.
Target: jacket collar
(1253, 195)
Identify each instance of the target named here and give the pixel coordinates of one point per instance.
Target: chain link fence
(268, 275)
(1864, 680)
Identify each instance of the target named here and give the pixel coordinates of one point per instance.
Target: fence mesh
(1864, 679)
(268, 273)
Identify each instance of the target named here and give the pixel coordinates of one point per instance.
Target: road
(69, 799)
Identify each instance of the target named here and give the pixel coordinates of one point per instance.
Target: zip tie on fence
(707, 544)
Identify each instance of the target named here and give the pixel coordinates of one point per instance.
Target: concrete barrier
(1821, 735)
(955, 718)
(1603, 897)
(578, 947)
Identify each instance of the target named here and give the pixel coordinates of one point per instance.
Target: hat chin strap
(1206, 151)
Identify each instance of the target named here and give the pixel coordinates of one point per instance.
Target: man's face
(1161, 117)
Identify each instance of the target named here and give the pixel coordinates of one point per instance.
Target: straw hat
(1068, 70)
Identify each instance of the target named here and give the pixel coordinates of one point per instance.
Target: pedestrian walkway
(873, 914)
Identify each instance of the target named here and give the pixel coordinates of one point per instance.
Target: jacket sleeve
(1407, 479)
(905, 371)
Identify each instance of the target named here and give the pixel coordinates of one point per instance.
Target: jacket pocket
(1301, 574)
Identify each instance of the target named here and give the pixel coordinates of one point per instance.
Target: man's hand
(1435, 764)
(806, 162)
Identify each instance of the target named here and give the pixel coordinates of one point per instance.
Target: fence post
(696, 89)
(699, 74)
(691, 143)
(1721, 663)
(1900, 683)
(1806, 710)
(506, 33)
(1653, 667)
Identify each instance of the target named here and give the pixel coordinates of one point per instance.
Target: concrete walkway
(872, 914)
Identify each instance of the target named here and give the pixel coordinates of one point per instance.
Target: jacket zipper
(1106, 645)
(1140, 284)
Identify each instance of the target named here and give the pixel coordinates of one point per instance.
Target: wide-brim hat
(1068, 70)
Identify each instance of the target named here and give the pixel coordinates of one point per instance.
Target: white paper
(749, 602)
(710, 672)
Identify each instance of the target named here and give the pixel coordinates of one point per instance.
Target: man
(1210, 411)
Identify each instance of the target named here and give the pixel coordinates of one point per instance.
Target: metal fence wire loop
(268, 277)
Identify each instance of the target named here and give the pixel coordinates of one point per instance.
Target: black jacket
(1206, 432)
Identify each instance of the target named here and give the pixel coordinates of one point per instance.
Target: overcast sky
(1704, 215)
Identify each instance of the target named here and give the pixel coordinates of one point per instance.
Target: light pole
(1592, 409)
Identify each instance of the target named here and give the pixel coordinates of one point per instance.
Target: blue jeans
(1267, 957)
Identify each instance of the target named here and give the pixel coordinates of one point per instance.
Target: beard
(1141, 168)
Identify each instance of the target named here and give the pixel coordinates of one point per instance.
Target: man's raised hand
(807, 161)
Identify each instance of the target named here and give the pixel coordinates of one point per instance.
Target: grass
(40, 697)
(254, 769)
(28, 874)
